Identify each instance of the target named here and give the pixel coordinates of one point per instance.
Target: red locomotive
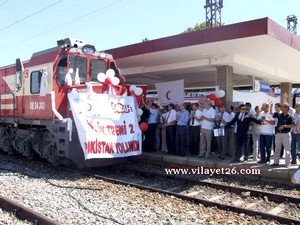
(35, 110)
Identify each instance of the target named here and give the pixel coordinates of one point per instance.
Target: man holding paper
(222, 119)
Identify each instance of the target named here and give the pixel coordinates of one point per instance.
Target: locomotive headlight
(89, 49)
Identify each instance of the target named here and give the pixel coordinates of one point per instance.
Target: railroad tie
(278, 209)
(216, 197)
(253, 204)
(238, 202)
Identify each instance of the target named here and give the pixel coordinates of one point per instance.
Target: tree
(198, 26)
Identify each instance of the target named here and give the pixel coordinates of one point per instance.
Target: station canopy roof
(259, 48)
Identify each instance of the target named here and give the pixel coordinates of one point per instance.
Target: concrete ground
(279, 173)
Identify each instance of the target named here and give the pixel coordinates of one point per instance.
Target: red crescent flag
(170, 92)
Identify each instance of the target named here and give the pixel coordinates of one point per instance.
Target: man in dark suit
(243, 119)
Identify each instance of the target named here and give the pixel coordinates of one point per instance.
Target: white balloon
(110, 73)
(71, 70)
(220, 94)
(101, 77)
(138, 91)
(132, 88)
(139, 112)
(115, 81)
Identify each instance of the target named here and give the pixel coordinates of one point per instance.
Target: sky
(32, 25)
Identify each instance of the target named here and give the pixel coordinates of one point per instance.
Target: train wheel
(27, 151)
(52, 157)
(6, 147)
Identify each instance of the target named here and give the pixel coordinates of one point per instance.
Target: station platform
(279, 174)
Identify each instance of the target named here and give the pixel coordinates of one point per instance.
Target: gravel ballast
(75, 199)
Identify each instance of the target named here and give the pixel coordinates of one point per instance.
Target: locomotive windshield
(97, 66)
(77, 62)
(79, 65)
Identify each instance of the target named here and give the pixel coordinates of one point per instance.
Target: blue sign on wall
(261, 86)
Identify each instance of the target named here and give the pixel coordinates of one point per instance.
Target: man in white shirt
(230, 132)
(295, 134)
(267, 131)
(170, 123)
(222, 118)
(195, 124)
(208, 122)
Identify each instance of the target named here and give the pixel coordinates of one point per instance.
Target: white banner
(107, 125)
(170, 92)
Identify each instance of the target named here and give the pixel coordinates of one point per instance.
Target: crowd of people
(201, 130)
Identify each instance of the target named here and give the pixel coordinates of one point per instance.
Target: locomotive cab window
(97, 66)
(114, 67)
(80, 64)
(62, 69)
(35, 82)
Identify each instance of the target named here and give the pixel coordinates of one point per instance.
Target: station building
(228, 56)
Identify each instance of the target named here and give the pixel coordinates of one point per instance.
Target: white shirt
(232, 115)
(209, 113)
(256, 127)
(198, 114)
(296, 129)
(251, 112)
(226, 116)
(170, 116)
(267, 129)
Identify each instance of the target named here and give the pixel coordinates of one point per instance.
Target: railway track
(242, 200)
(24, 213)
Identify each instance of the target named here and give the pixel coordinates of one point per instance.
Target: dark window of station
(62, 69)
(97, 66)
(35, 82)
(80, 63)
(114, 67)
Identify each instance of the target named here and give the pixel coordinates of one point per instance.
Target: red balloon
(212, 97)
(218, 102)
(122, 80)
(107, 81)
(144, 126)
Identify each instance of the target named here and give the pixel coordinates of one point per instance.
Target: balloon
(139, 112)
(71, 70)
(122, 80)
(101, 77)
(110, 73)
(220, 94)
(132, 88)
(115, 81)
(218, 102)
(212, 97)
(144, 126)
(107, 81)
(138, 91)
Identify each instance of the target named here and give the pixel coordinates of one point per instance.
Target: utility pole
(213, 13)
(292, 23)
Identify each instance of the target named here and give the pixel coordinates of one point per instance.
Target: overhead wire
(31, 15)
(1, 4)
(62, 25)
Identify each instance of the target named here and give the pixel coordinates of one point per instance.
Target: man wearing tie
(195, 124)
(243, 119)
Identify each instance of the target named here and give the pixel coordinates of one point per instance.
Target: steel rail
(197, 200)
(234, 189)
(25, 213)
